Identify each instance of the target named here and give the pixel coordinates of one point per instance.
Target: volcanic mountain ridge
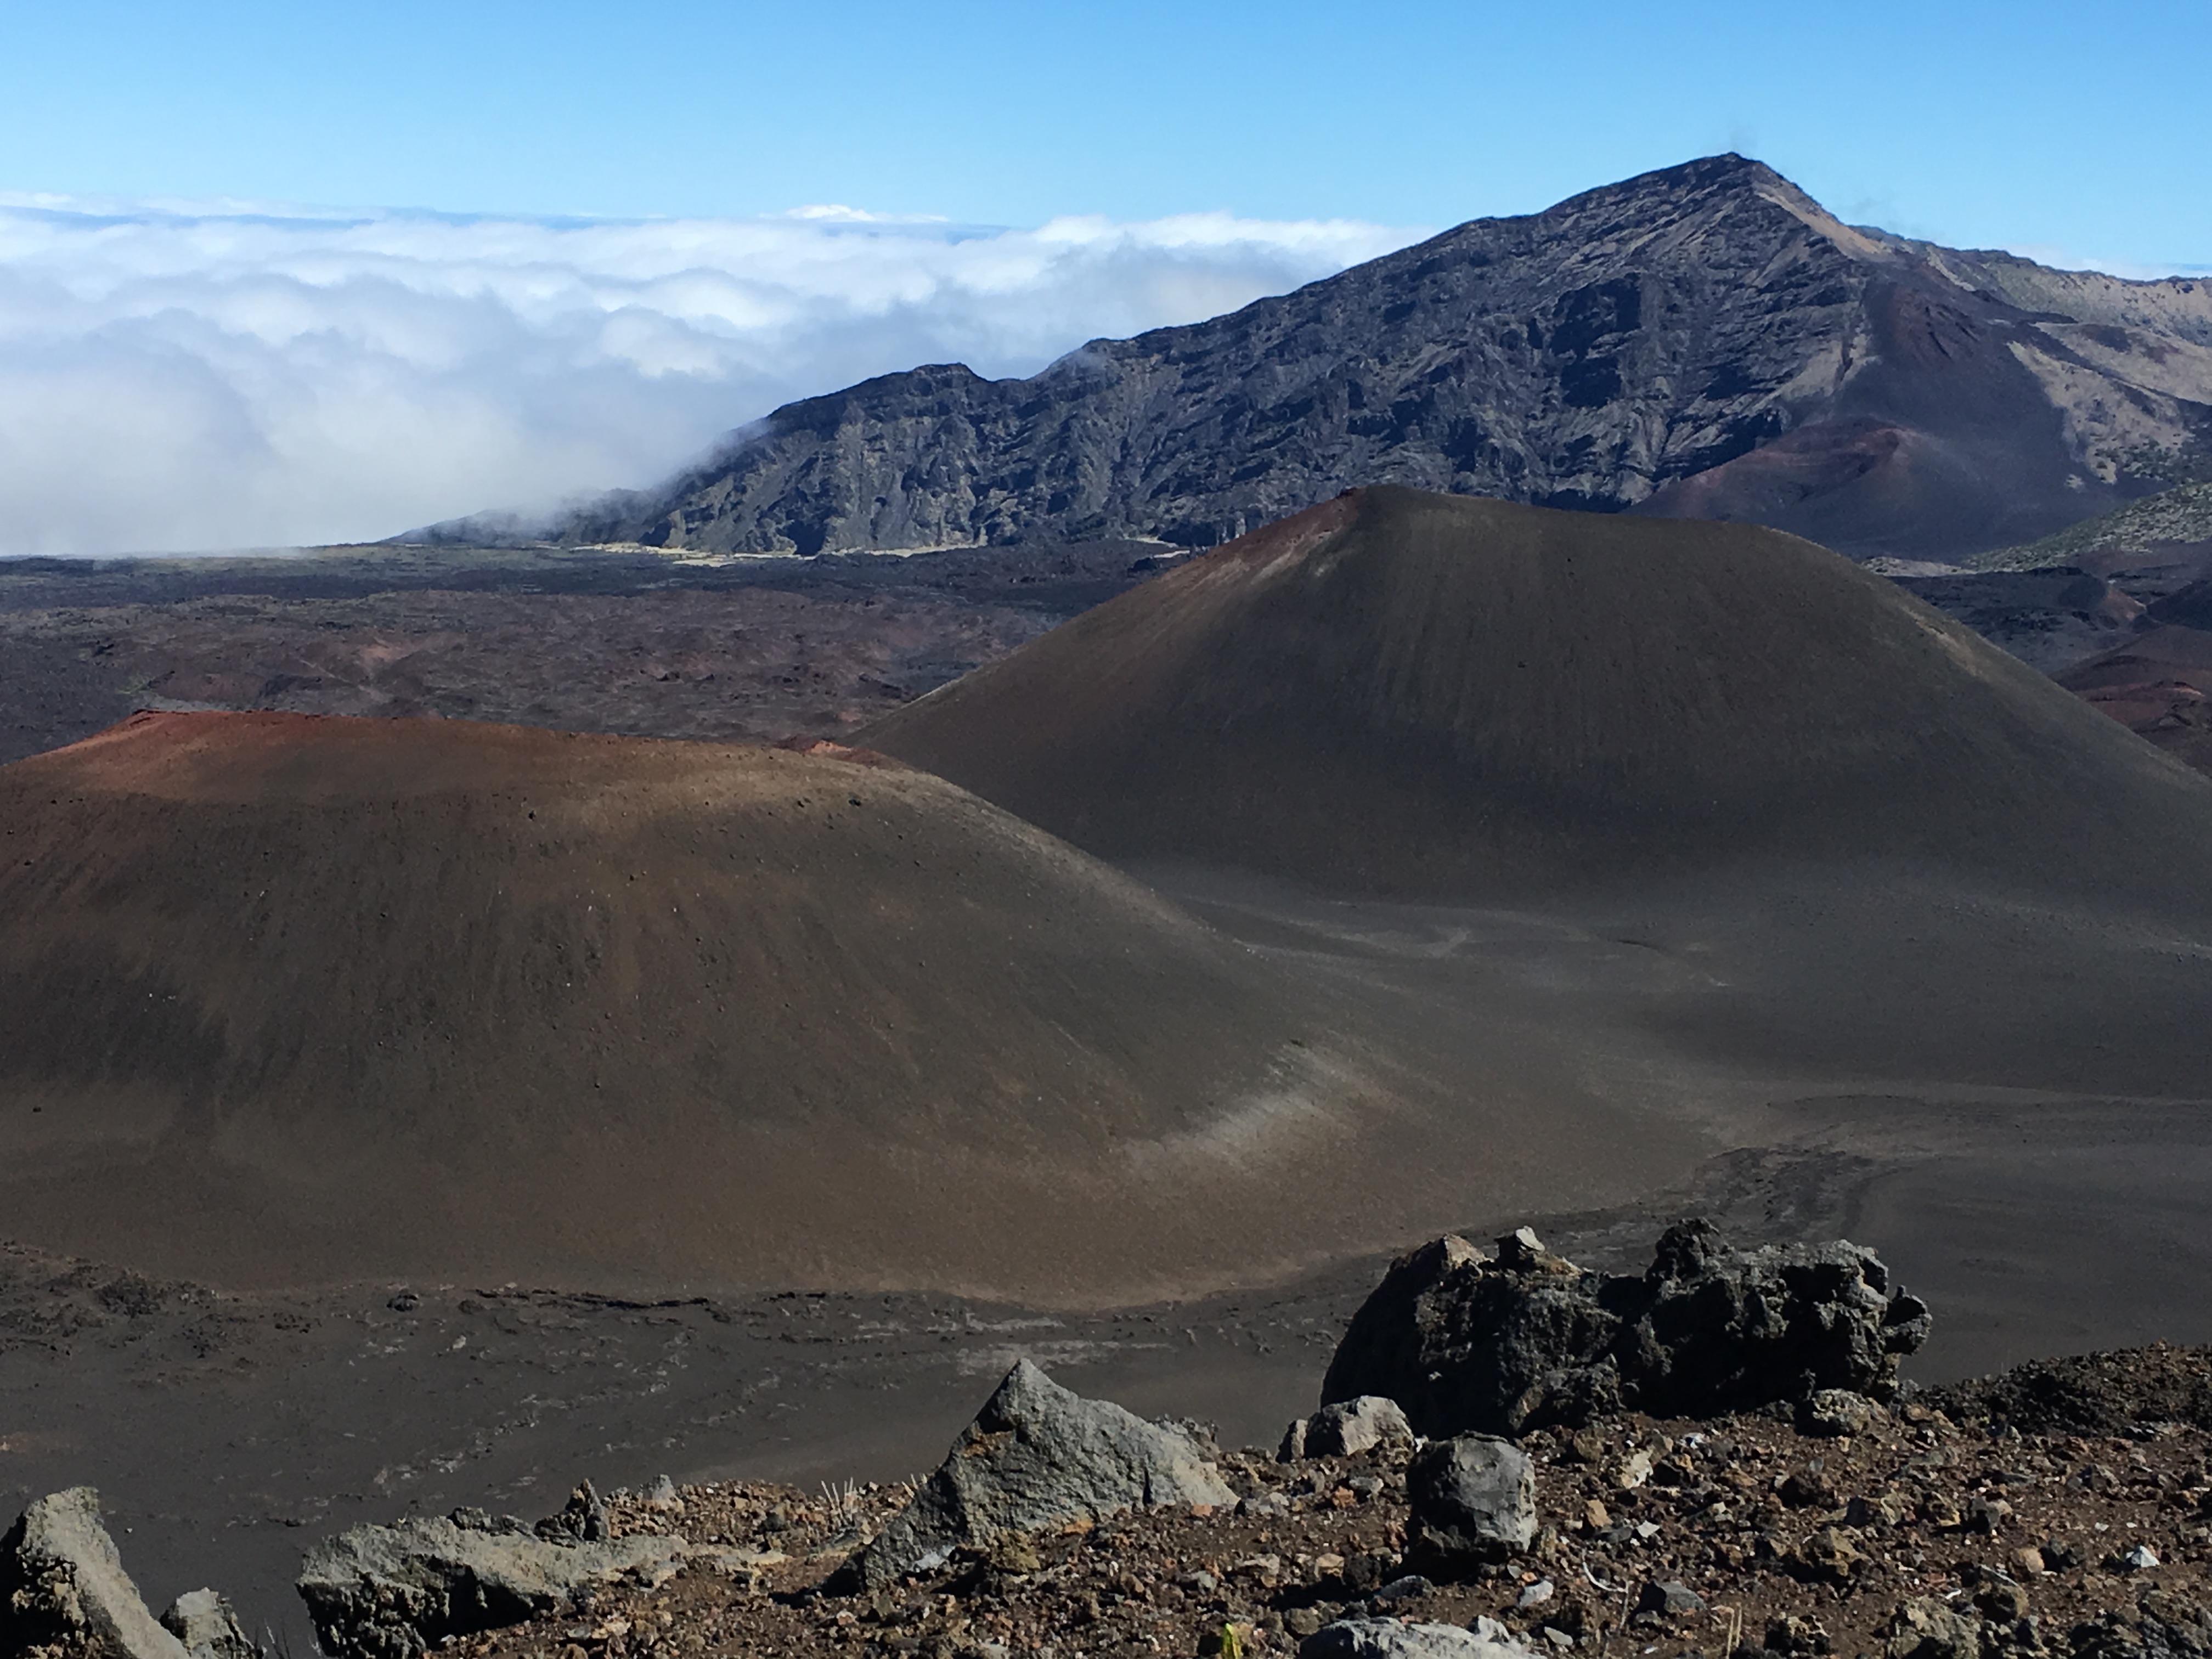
(1705, 340)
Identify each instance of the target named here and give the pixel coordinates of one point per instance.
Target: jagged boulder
(204, 1622)
(1471, 1499)
(392, 1592)
(1466, 1340)
(64, 1593)
(1036, 1456)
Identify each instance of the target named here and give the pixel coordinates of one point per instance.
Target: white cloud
(176, 375)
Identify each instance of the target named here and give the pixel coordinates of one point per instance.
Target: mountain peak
(1703, 340)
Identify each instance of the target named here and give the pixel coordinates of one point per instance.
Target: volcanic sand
(288, 1000)
(1749, 838)
(1755, 868)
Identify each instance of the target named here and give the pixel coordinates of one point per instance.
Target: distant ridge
(1433, 696)
(1703, 341)
(2177, 518)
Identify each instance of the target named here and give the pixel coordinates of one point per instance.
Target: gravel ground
(1933, 1527)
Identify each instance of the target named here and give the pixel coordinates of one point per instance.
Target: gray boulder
(1353, 1426)
(1463, 1340)
(1037, 1456)
(1472, 1499)
(392, 1592)
(206, 1624)
(64, 1593)
(1386, 1638)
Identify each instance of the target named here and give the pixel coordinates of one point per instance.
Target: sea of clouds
(185, 377)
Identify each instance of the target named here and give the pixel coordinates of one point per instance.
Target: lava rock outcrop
(393, 1592)
(1464, 1340)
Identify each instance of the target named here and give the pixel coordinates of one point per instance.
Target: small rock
(1884, 1510)
(1472, 1499)
(1386, 1638)
(63, 1587)
(1293, 1448)
(1632, 1471)
(1829, 1554)
(1521, 1250)
(1267, 1505)
(2028, 1562)
(1987, 1515)
(1809, 1489)
(583, 1520)
(204, 1622)
(1941, 1513)
(662, 1499)
(1353, 1426)
(2002, 1599)
(1836, 1413)
(1536, 1595)
(1925, 1628)
(1557, 1639)
(405, 1302)
(1670, 1598)
(1793, 1634)
(1595, 1517)
(2141, 1559)
(1303, 1622)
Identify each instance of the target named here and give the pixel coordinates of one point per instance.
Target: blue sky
(273, 274)
(2071, 128)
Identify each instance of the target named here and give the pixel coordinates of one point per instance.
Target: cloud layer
(175, 377)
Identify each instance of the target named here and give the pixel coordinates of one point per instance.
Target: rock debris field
(2062, 1508)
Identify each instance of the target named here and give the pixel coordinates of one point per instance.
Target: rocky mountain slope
(1705, 340)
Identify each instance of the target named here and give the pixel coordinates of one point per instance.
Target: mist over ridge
(189, 376)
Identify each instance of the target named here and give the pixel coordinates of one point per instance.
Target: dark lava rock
(1472, 1499)
(1528, 1340)
(1038, 1455)
(2091, 1394)
(1669, 1597)
(64, 1593)
(583, 1520)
